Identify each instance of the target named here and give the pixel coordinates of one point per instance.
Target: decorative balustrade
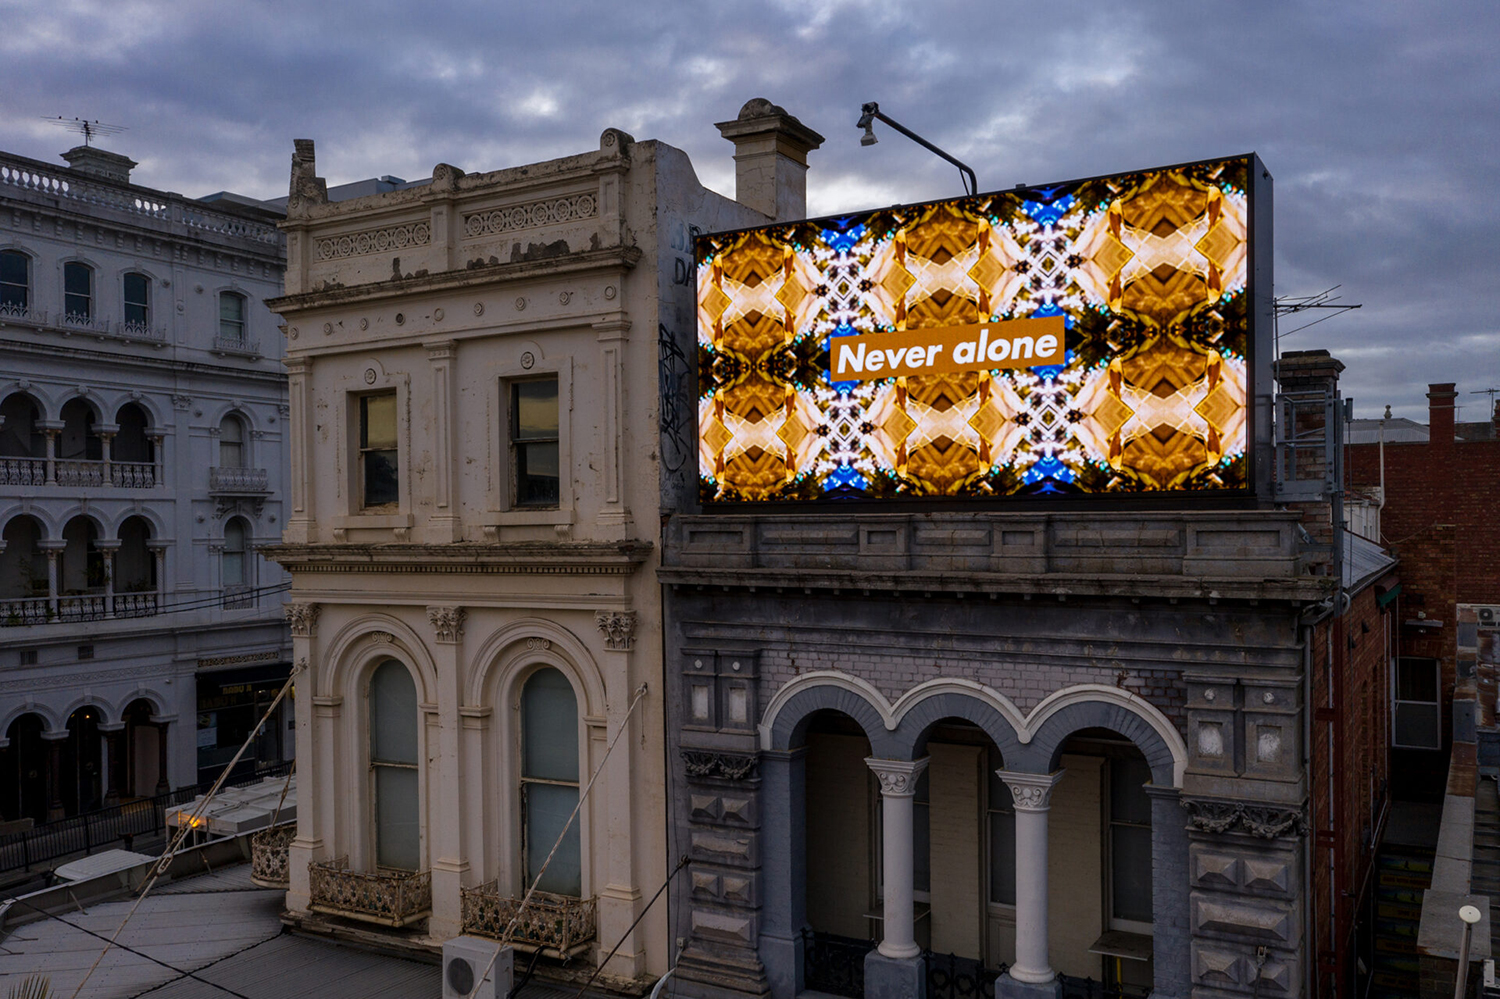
(391, 898)
(79, 472)
(22, 313)
(557, 925)
(31, 175)
(132, 474)
(23, 471)
(270, 850)
(24, 611)
(228, 479)
(136, 604)
(141, 331)
(85, 323)
(236, 345)
(238, 597)
(82, 607)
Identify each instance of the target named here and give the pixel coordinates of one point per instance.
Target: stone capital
(898, 778)
(618, 628)
(303, 619)
(448, 622)
(1031, 792)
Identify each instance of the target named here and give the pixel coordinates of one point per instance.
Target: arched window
(132, 442)
(135, 566)
(549, 781)
(20, 437)
(78, 438)
(232, 316)
(78, 290)
(137, 300)
(234, 553)
(15, 283)
(231, 443)
(393, 767)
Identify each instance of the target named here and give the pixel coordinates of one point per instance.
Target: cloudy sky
(1379, 119)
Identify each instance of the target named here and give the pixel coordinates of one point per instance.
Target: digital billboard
(1094, 337)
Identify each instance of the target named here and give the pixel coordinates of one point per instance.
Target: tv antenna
(1289, 305)
(90, 130)
(1491, 392)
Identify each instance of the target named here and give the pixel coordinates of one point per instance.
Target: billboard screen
(1087, 338)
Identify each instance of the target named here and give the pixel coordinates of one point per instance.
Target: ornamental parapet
(1253, 554)
(390, 898)
(607, 558)
(560, 926)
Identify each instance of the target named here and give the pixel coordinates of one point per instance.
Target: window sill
(527, 516)
(373, 521)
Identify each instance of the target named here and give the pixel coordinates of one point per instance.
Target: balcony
(237, 597)
(559, 926)
(390, 898)
(232, 481)
(23, 314)
(72, 472)
(75, 607)
(141, 331)
(236, 345)
(269, 853)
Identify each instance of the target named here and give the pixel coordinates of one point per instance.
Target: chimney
(100, 163)
(1440, 413)
(770, 159)
(306, 188)
(1300, 371)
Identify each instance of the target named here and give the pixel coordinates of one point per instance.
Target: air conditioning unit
(464, 960)
(1488, 615)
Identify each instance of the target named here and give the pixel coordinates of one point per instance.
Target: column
(898, 786)
(54, 549)
(114, 761)
(51, 428)
(156, 437)
(449, 865)
(54, 742)
(783, 782)
(106, 432)
(109, 547)
(162, 784)
(620, 898)
(159, 556)
(310, 712)
(1032, 794)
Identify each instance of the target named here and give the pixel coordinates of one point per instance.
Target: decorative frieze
(530, 215)
(1264, 821)
(725, 766)
(393, 237)
(448, 622)
(618, 628)
(303, 619)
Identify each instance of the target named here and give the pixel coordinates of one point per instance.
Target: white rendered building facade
(142, 416)
(480, 368)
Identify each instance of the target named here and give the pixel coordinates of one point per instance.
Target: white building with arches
(142, 417)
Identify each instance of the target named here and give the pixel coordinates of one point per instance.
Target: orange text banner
(1014, 343)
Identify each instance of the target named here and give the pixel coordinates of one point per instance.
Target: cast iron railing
(557, 925)
(391, 898)
(1087, 988)
(834, 964)
(952, 977)
(270, 851)
(107, 826)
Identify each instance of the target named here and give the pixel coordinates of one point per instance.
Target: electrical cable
(631, 928)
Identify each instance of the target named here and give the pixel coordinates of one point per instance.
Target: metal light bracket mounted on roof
(871, 110)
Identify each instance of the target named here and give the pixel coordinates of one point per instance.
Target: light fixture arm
(871, 111)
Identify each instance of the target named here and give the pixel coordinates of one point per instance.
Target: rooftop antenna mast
(1288, 305)
(90, 130)
(870, 111)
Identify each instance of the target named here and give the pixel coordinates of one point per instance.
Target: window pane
(534, 409)
(234, 567)
(1130, 870)
(1003, 856)
(381, 482)
(537, 482)
(1417, 726)
(377, 421)
(547, 807)
(14, 279)
(549, 726)
(231, 316)
(78, 290)
(393, 714)
(1416, 680)
(398, 831)
(137, 290)
(1127, 795)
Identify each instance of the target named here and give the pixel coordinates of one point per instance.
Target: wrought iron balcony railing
(236, 345)
(558, 925)
(391, 898)
(269, 853)
(228, 479)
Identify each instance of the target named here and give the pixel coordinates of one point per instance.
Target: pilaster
(450, 864)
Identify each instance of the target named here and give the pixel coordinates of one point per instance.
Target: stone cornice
(1302, 589)
(129, 355)
(618, 258)
(515, 558)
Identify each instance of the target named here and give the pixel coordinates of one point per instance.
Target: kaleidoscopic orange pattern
(1149, 269)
